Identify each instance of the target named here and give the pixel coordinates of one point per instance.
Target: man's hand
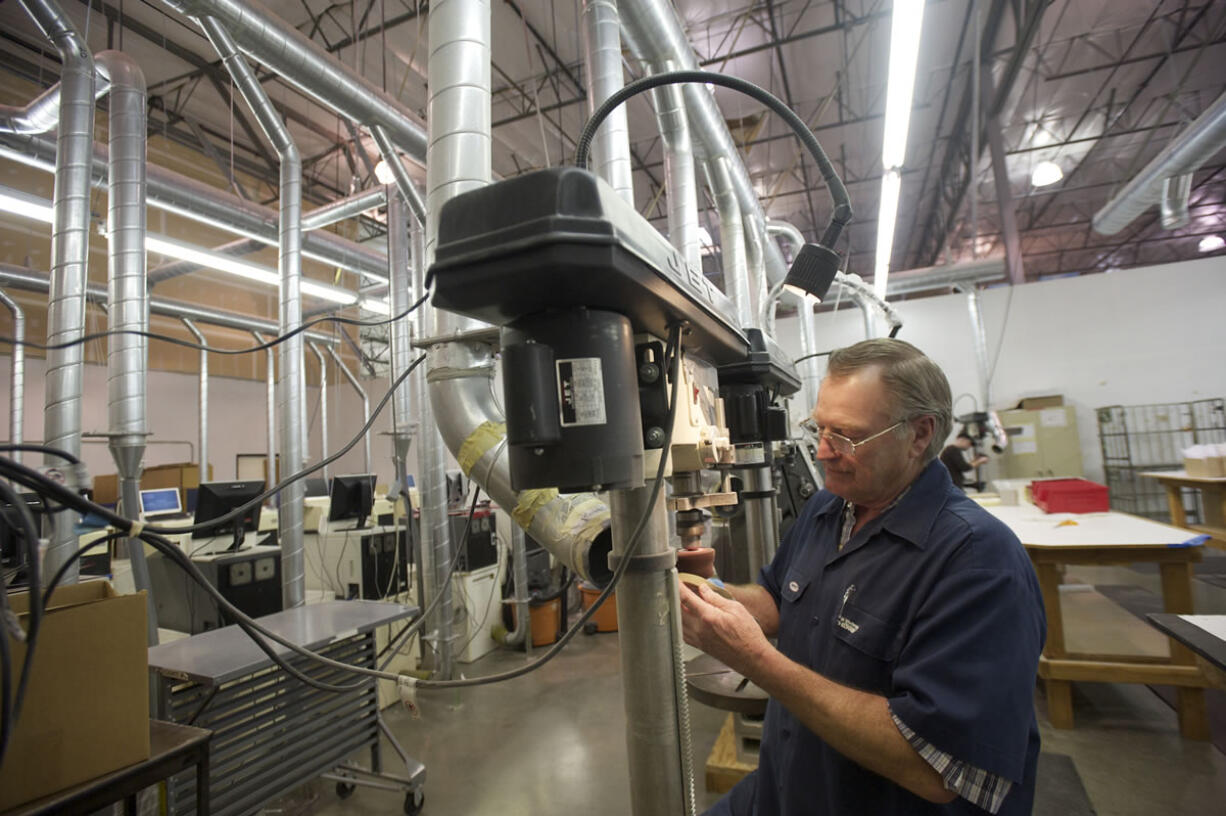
(722, 628)
(979, 460)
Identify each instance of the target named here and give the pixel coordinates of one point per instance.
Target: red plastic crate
(1070, 496)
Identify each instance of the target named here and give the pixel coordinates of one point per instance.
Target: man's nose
(825, 450)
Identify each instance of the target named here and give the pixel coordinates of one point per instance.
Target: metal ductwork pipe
(270, 405)
(202, 400)
(521, 600)
(809, 374)
(1176, 190)
(361, 392)
(656, 36)
(401, 176)
(69, 256)
(194, 200)
(291, 383)
(345, 208)
(602, 57)
(400, 297)
(39, 116)
(731, 239)
(323, 404)
(28, 280)
(679, 173)
(300, 61)
(866, 297)
(1195, 145)
(127, 355)
(755, 251)
(17, 376)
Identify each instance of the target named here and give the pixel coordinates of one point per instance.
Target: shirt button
(794, 587)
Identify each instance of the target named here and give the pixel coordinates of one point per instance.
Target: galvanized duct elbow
(298, 60)
(1194, 146)
(1176, 190)
(291, 381)
(178, 194)
(69, 254)
(574, 528)
(602, 54)
(731, 239)
(655, 35)
(17, 376)
(39, 116)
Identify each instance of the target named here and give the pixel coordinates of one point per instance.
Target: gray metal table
(271, 731)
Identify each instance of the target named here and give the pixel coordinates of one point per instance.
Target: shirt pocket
(873, 645)
(794, 585)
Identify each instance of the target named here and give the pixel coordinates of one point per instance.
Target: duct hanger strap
(655, 562)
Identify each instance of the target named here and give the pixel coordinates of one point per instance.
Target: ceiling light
(905, 25)
(25, 205)
(887, 213)
(377, 306)
(383, 172)
(1045, 173)
(1210, 243)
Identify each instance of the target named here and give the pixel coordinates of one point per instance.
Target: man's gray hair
(917, 384)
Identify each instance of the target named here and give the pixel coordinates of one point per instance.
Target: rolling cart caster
(590, 628)
(345, 789)
(414, 801)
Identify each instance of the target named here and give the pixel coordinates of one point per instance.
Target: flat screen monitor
(162, 501)
(316, 487)
(215, 500)
(352, 497)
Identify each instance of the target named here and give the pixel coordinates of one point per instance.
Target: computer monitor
(216, 499)
(352, 497)
(316, 487)
(162, 501)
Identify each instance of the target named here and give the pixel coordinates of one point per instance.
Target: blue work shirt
(935, 606)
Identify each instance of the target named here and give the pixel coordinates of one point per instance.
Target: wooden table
(1212, 499)
(172, 748)
(1203, 634)
(1052, 540)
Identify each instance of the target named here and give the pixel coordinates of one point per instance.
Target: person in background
(953, 457)
(909, 620)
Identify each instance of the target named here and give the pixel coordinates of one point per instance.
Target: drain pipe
(69, 256)
(17, 376)
(290, 382)
(270, 406)
(202, 400)
(175, 193)
(731, 238)
(357, 386)
(602, 56)
(323, 403)
(127, 299)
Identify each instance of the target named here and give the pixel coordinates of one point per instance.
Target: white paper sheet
(1053, 418)
(1213, 624)
(1025, 446)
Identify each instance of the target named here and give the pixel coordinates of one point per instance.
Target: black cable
(178, 341)
(811, 356)
(47, 449)
(11, 707)
(302, 474)
(622, 565)
(842, 214)
(208, 699)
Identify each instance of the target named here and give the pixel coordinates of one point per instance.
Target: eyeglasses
(838, 443)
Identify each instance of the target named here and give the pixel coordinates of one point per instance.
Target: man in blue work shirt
(909, 620)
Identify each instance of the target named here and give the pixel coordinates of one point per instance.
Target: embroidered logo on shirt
(843, 622)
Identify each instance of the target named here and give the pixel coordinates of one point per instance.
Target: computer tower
(370, 563)
(250, 579)
(479, 549)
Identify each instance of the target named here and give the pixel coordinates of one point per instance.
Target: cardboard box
(86, 710)
(1039, 403)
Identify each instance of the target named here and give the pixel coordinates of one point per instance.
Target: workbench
(272, 732)
(1053, 540)
(1212, 499)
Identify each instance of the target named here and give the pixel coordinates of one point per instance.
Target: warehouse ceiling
(1097, 86)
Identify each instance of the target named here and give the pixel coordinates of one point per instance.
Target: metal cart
(272, 732)
(1137, 438)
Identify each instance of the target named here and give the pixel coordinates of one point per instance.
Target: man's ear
(925, 427)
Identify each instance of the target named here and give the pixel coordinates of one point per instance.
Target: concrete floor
(553, 742)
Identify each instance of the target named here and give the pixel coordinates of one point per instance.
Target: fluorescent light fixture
(1045, 173)
(377, 306)
(1210, 243)
(242, 269)
(887, 212)
(905, 25)
(25, 205)
(383, 172)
